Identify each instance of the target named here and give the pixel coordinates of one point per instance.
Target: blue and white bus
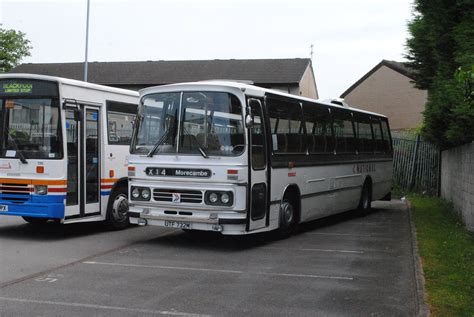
(64, 149)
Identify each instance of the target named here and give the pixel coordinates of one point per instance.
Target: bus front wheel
(117, 209)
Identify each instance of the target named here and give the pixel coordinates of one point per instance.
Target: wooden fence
(416, 164)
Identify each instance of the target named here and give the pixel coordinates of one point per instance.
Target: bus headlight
(218, 198)
(140, 193)
(41, 189)
(146, 193)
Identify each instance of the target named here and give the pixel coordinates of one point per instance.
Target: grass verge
(447, 253)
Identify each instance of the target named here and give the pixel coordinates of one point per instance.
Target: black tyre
(365, 203)
(117, 209)
(35, 220)
(287, 219)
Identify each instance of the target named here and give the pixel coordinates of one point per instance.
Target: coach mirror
(249, 120)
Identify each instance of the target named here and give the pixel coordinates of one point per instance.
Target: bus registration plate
(3, 208)
(177, 224)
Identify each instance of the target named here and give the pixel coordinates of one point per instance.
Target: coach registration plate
(177, 224)
(3, 208)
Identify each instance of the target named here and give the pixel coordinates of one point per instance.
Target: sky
(349, 37)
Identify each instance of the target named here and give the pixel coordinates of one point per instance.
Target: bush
(449, 114)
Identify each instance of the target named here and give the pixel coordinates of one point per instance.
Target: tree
(13, 47)
(440, 50)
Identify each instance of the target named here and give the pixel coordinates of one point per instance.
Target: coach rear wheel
(35, 220)
(117, 210)
(365, 203)
(287, 219)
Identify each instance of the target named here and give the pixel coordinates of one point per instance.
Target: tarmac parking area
(339, 266)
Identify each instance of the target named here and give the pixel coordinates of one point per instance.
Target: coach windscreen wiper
(193, 137)
(158, 143)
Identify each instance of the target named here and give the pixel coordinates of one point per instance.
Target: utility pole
(311, 53)
(87, 41)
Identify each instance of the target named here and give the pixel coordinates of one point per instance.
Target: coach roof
(249, 89)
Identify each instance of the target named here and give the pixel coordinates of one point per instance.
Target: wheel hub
(120, 208)
(288, 213)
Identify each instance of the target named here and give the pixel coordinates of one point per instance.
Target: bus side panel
(382, 180)
(330, 189)
(115, 168)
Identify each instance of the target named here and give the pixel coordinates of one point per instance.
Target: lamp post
(87, 41)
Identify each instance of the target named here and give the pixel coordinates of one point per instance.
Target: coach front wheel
(117, 210)
(287, 219)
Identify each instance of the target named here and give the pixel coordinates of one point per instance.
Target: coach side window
(387, 140)
(377, 128)
(318, 129)
(286, 126)
(363, 130)
(120, 117)
(343, 131)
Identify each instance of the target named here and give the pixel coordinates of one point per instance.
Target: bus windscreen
(30, 116)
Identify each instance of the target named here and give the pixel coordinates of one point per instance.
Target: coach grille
(187, 196)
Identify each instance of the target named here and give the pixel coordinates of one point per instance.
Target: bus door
(83, 157)
(259, 184)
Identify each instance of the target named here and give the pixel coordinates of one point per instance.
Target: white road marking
(378, 224)
(315, 250)
(50, 278)
(165, 267)
(369, 223)
(84, 305)
(220, 271)
(306, 276)
(340, 234)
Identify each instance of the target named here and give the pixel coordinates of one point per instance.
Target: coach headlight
(218, 198)
(140, 193)
(146, 193)
(225, 198)
(135, 193)
(41, 189)
(213, 198)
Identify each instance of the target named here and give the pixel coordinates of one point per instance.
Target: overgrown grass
(447, 252)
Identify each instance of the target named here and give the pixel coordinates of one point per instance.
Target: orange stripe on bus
(15, 181)
(108, 180)
(32, 181)
(49, 182)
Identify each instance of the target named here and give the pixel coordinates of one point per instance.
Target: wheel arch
(122, 182)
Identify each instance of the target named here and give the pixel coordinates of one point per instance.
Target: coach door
(83, 157)
(259, 185)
